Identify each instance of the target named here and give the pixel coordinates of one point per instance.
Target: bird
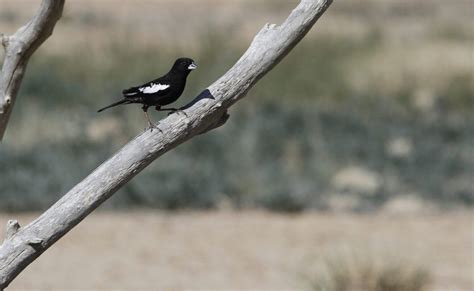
(159, 92)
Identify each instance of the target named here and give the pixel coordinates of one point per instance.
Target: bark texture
(206, 112)
(18, 49)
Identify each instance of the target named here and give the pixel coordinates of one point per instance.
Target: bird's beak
(192, 66)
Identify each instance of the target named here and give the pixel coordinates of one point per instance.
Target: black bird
(159, 92)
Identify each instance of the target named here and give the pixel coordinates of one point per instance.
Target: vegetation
(337, 101)
(347, 270)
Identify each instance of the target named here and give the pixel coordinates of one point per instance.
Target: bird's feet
(152, 126)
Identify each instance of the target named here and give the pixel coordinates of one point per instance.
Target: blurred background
(348, 167)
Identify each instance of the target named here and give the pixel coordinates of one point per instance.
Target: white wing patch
(153, 88)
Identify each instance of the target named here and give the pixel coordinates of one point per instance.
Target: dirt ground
(239, 250)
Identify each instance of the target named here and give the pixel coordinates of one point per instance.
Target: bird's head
(184, 65)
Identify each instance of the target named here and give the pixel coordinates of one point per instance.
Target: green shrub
(279, 150)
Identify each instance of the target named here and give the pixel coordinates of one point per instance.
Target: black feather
(150, 93)
(123, 101)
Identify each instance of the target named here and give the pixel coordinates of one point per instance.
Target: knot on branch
(4, 39)
(12, 228)
(270, 26)
(7, 101)
(36, 243)
(218, 123)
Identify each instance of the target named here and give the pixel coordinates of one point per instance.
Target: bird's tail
(123, 101)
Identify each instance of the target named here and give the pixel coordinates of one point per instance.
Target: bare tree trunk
(207, 111)
(18, 49)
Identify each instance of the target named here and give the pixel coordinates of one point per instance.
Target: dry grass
(242, 250)
(353, 268)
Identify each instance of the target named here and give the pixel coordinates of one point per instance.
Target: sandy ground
(239, 250)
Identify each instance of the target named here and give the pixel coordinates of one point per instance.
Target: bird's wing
(151, 88)
(130, 92)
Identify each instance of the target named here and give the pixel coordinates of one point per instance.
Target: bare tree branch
(18, 49)
(206, 112)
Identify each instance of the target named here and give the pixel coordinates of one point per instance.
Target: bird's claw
(152, 126)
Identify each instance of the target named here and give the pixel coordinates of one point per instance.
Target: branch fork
(18, 49)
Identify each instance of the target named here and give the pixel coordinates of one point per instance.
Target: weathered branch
(18, 49)
(207, 111)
